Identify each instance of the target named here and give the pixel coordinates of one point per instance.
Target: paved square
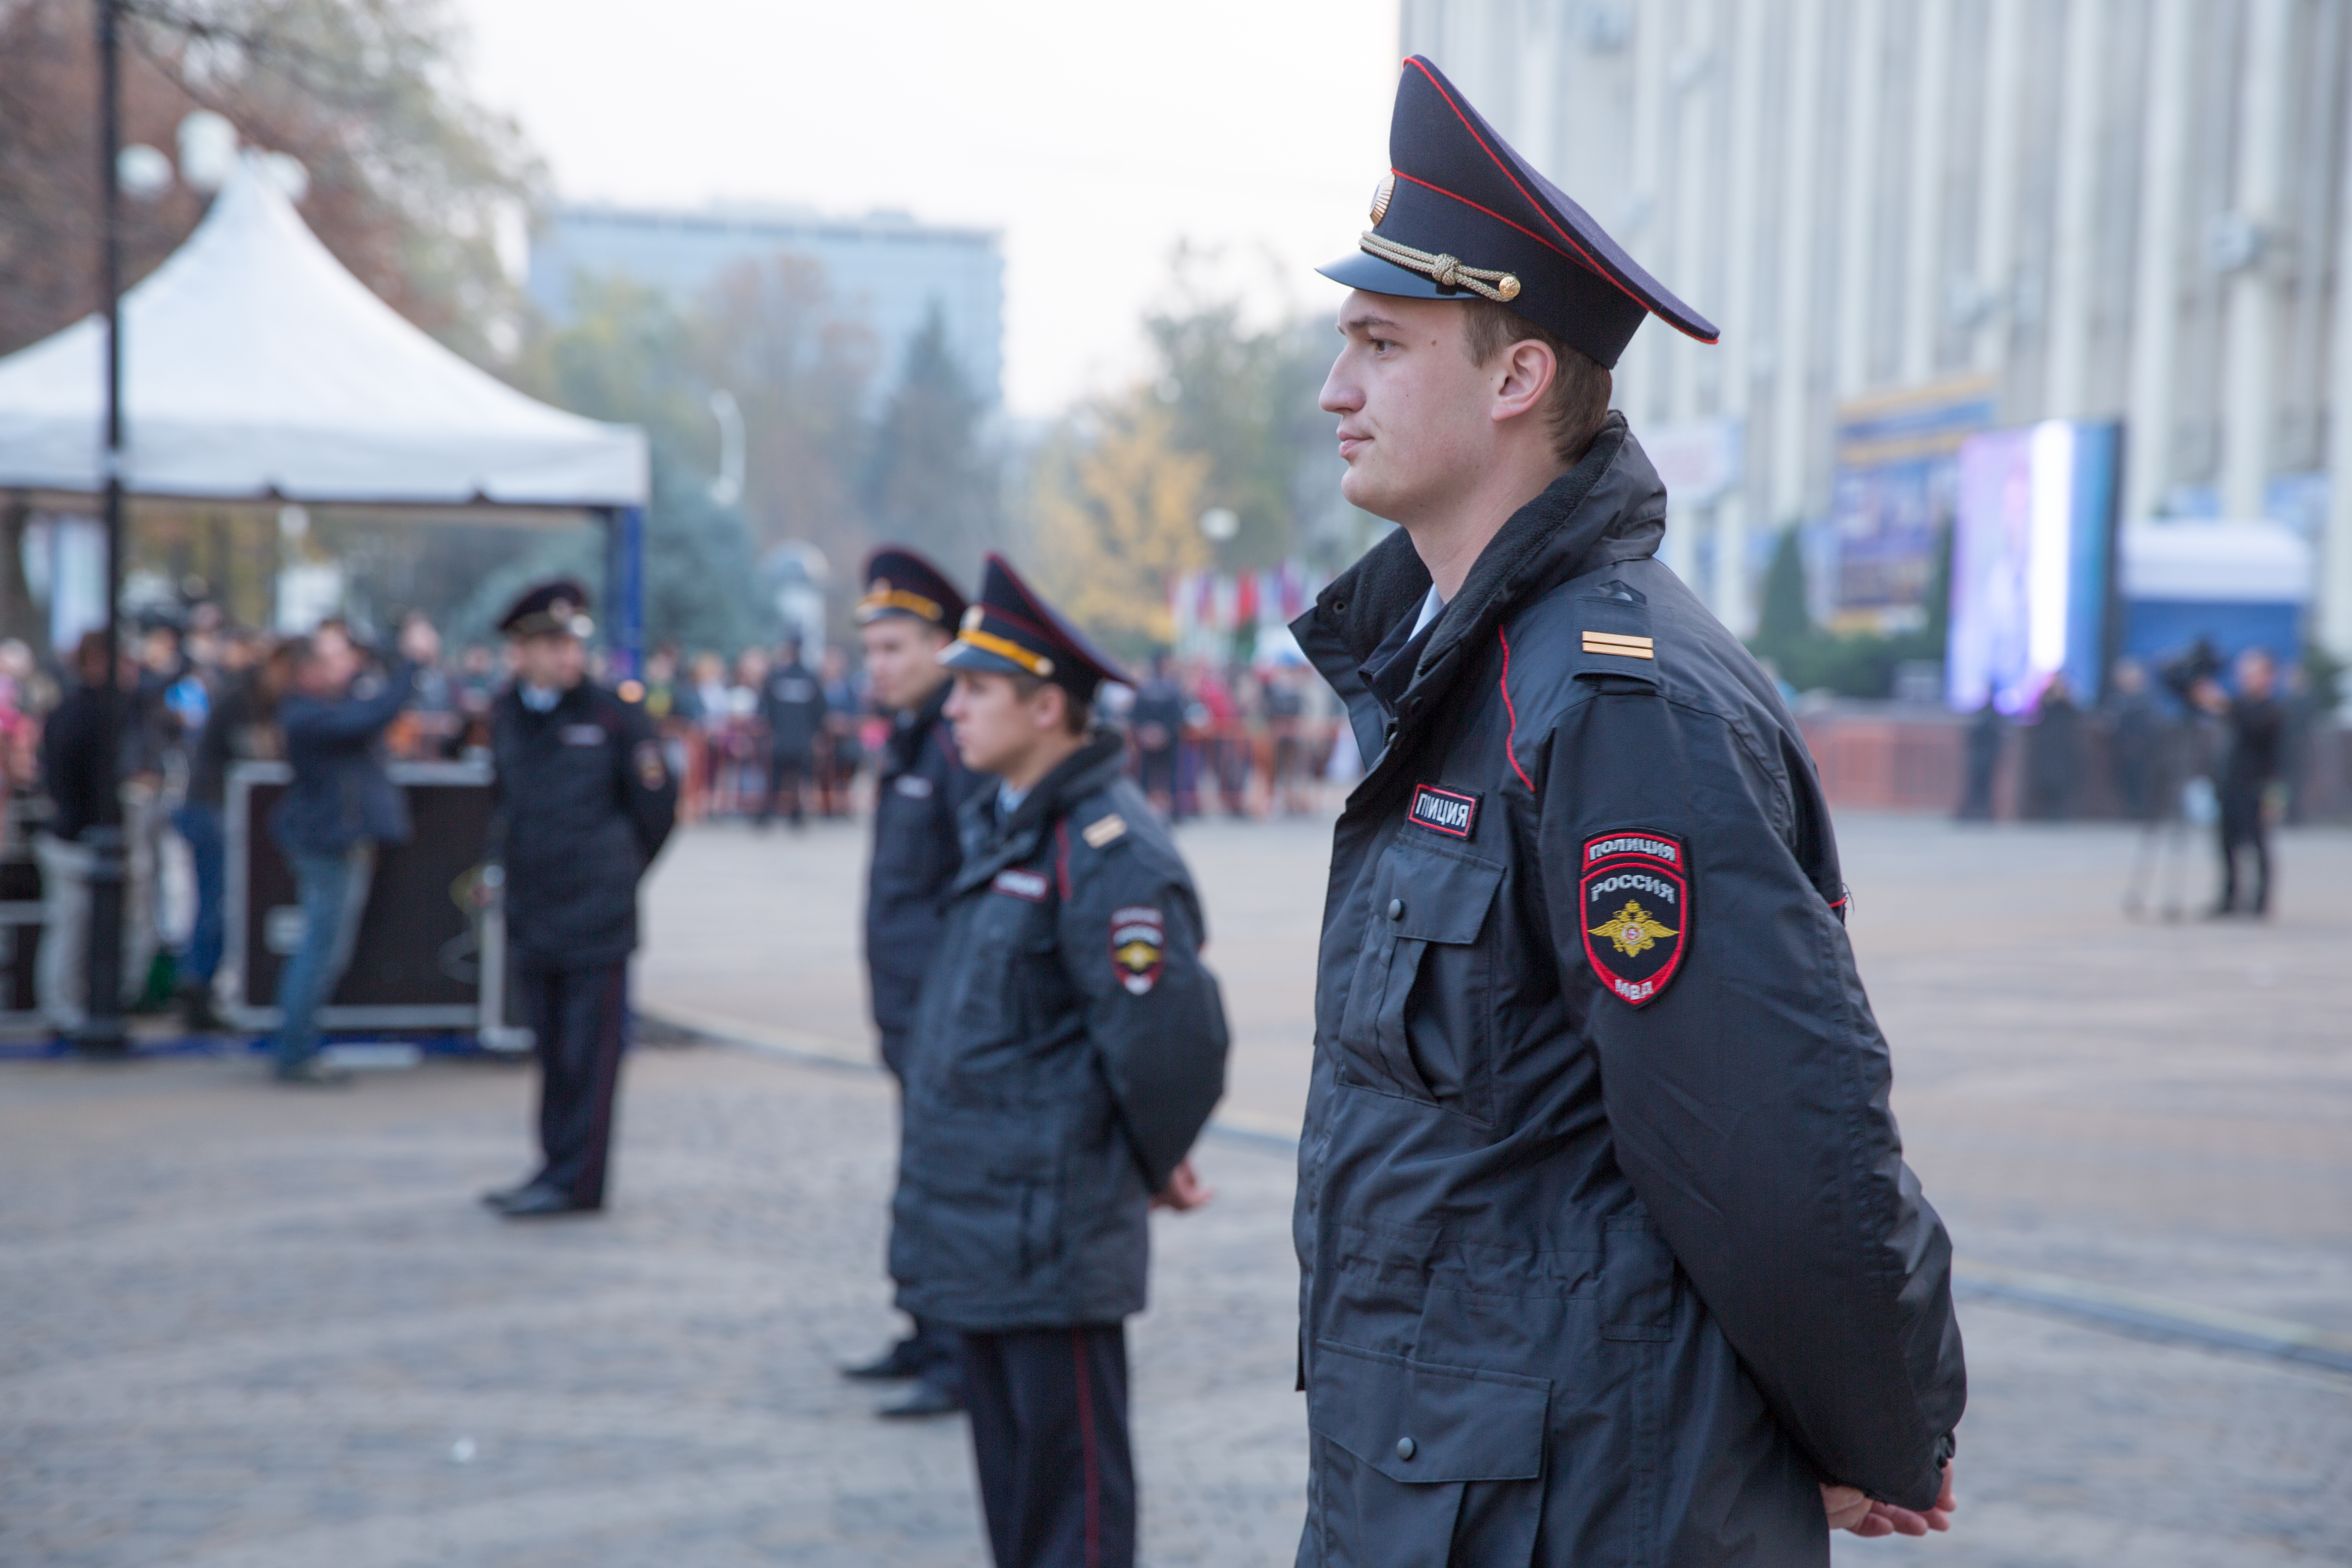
(258, 1327)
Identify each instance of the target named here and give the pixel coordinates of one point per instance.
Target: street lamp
(102, 1032)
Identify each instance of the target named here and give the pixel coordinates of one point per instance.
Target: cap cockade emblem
(1381, 194)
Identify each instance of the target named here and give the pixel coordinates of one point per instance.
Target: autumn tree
(409, 181)
(628, 354)
(931, 479)
(1243, 395)
(1117, 517)
(799, 366)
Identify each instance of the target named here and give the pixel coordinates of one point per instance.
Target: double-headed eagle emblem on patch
(1632, 929)
(1139, 947)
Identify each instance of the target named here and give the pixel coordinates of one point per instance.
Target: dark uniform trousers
(1071, 949)
(2242, 828)
(579, 1019)
(936, 1349)
(584, 803)
(1049, 1440)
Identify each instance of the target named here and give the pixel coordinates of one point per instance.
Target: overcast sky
(1094, 135)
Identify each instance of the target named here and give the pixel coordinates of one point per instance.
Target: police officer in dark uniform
(585, 800)
(792, 707)
(1609, 1250)
(908, 615)
(1068, 1048)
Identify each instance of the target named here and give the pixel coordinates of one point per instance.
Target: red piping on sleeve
(1511, 741)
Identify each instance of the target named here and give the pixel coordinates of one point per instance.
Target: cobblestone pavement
(254, 1327)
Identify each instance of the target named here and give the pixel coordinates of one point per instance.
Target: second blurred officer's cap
(1460, 214)
(1014, 631)
(561, 606)
(900, 583)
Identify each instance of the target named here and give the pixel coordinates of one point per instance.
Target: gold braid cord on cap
(1446, 271)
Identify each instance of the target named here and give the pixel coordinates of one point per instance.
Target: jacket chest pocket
(1419, 1014)
(1010, 970)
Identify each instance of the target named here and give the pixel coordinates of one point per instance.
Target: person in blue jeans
(340, 805)
(242, 727)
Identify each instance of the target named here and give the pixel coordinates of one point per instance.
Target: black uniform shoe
(896, 1365)
(499, 1197)
(927, 1399)
(197, 1015)
(312, 1073)
(539, 1201)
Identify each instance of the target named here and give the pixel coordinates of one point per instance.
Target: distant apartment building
(883, 266)
(1916, 218)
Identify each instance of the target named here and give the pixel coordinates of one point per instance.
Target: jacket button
(1396, 909)
(1407, 1448)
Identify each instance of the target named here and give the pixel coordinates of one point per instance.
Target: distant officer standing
(1609, 1251)
(2257, 729)
(793, 706)
(908, 615)
(1068, 1048)
(585, 800)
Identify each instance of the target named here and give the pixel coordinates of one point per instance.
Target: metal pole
(102, 1032)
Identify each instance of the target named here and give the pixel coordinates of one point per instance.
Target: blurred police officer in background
(908, 614)
(2251, 764)
(1068, 1048)
(792, 705)
(1609, 1254)
(584, 800)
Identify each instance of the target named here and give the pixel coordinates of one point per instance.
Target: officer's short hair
(1578, 399)
(1077, 713)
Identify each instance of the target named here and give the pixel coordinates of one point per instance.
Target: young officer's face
(902, 660)
(997, 731)
(1415, 426)
(553, 661)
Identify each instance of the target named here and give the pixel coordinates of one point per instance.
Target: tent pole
(102, 1032)
(625, 590)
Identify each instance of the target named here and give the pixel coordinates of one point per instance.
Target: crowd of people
(2197, 742)
(196, 695)
(770, 734)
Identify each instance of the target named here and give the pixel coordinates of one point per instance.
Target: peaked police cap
(561, 606)
(1460, 215)
(900, 583)
(1011, 630)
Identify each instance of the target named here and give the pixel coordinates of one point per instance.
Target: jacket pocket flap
(1444, 897)
(1416, 1421)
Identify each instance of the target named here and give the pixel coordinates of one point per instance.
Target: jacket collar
(991, 842)
(905, 742)
(1609, 507)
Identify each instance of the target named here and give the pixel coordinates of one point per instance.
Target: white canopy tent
(255, 368)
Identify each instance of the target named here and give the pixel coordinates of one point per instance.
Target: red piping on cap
(1498, 218)
(1590, 259)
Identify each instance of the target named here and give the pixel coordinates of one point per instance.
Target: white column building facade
(2127, 210)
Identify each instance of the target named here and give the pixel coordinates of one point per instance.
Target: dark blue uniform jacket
(585, 802)
(1609, 1252)
(342, 793)
(1069, 1047)
(918, 789)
